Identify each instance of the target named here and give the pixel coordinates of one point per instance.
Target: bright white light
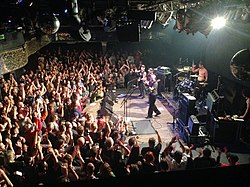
(218, 22)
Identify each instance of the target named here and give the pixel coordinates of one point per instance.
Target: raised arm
(158, 137)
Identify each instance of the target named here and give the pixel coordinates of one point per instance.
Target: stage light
(218, 22)
(165, 13)
(19, 1)
(146, 24)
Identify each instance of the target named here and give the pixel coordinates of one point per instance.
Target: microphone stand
(124, 102)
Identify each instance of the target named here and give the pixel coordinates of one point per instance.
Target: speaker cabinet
(197, 140)
(193, 125)
(226, 131)
(165, 81)
(186, 107)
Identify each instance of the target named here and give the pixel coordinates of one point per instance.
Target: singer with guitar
(152, 86)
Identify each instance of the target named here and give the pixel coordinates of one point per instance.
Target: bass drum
(185, 86)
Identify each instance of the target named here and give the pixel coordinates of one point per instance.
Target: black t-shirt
(148, 168)
(156, 151)
(204, 162)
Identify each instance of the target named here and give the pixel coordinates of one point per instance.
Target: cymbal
(203, 83)
(194, 76)
(187, 68)
(180, 69)
(181, 78)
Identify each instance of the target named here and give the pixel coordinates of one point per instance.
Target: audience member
(47, 133)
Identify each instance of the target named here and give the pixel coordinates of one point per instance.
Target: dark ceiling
(86, 8)
(92, 13)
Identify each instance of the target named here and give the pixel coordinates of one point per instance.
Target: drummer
(202, 80)
(202, 72)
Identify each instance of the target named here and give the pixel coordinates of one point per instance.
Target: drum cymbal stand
(175, 81)
(175, 76)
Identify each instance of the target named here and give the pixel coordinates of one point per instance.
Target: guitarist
(142, 77)
(153, 85)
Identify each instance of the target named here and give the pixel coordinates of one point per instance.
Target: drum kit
(185, 82)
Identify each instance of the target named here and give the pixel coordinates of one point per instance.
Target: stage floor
(136, 108)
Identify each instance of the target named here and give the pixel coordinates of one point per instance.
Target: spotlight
(218, 22)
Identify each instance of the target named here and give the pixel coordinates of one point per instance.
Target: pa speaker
(128, 32)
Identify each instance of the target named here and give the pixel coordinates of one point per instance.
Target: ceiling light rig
(193, 16)
(190, 16)
(165, 13)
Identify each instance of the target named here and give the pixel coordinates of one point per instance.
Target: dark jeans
(141, 87)
(200, 92)
(152, 107)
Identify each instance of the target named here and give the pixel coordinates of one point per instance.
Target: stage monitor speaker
(193, 125)
(186, 107)
(108, 106)
(106, 109)
(108, 100)
(128, 32)
(197, 140)
(141, 15)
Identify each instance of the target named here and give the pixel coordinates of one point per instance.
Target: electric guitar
(149, 89)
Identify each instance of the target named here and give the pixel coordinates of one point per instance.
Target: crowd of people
(48, 136)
